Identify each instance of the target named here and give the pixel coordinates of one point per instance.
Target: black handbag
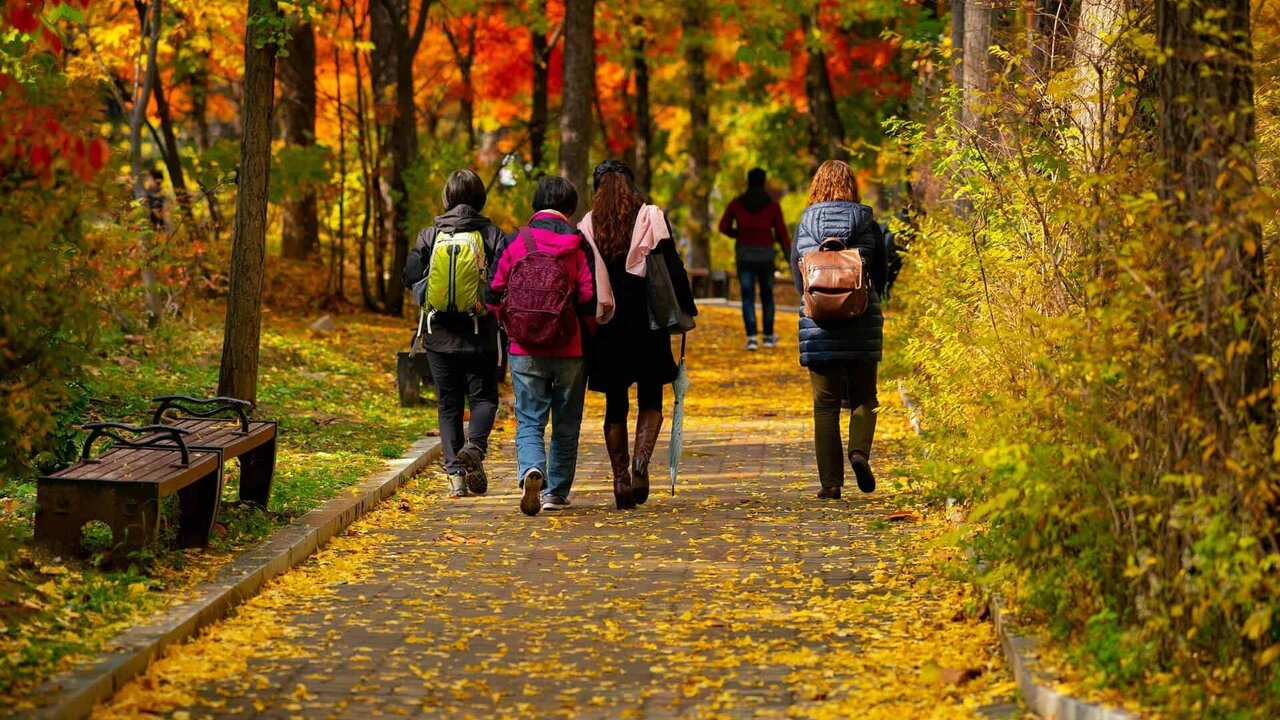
(665, 312)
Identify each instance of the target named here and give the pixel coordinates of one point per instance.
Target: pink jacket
(552, 234)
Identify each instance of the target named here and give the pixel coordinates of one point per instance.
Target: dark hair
(464, 187)
(614, 208)
(756, 177)
(555, 193)
(157, 174)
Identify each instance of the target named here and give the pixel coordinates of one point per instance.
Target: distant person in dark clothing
(892, 258)
(155, 199)
(755, 221)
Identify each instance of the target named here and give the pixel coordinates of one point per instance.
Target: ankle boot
(648, 424)
(615, 440)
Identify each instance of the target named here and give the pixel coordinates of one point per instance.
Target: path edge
(73, 695)
(1040, 698)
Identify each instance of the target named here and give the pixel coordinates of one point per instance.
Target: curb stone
(1043, 700)
(73, 695)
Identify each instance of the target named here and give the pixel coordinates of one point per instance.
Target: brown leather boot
(648, 425)
(615, 440)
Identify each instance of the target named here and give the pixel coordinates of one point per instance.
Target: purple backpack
(538, 310)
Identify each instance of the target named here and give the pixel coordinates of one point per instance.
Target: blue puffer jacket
(861, 338)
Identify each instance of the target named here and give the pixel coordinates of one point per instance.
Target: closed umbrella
(681, 387)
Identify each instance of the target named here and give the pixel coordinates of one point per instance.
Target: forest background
(1086, 188)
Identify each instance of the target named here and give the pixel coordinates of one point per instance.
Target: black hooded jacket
(455, 334)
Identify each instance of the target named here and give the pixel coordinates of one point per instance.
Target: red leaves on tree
(42, 137)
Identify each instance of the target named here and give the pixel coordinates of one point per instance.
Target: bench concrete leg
(256, 469)
(197, 509)
(63, 509)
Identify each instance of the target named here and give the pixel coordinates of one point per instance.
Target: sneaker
(554, 503)
(457, 486)
(862, 470)
(753, 344)
(770, 341)
(472, 458)
(529, 500)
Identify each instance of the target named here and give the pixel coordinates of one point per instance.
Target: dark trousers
(617, 402)
(832, 384)
(461, 379)
(748, 275)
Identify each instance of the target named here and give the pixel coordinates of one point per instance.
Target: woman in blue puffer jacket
(842, 356)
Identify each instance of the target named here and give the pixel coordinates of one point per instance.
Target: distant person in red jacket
(754, 219)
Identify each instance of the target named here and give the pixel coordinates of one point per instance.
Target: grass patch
(334, 396)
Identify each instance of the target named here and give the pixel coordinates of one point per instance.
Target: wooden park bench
(183, 454)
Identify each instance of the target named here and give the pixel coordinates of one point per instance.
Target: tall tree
(1095, 66)
(579, 91)
(301, 227)
(463, 44)
(1215, 263)
(979, 27)
(144, 82)
(396, 45)
(826, 129)
(957, 42)
(238, 375)
(644, 121)
(700, 175)
(538, 112)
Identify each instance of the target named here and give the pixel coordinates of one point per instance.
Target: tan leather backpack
(835, 282)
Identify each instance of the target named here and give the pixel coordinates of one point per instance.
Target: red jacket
(554, 235)
(756, 229)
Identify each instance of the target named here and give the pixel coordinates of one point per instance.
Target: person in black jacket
(625, 351)
(842, 356)
(463, 351)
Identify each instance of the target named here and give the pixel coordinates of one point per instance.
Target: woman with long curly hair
(626, 230)
(843, 355)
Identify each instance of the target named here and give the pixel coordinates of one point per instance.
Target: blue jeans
(548, 388)
(748, 276)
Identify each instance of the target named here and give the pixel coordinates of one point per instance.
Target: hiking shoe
(472, 458)
(530, 502)
(829, 493)
(555, 503)
(862, 470)
(770, 342)
(457, 486)
(753, 344)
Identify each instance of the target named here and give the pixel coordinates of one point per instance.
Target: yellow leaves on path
(742, 596)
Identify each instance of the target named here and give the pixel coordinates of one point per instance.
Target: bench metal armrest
(112, 430)
(198, 407)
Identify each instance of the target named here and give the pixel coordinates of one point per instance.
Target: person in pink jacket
(549, 382)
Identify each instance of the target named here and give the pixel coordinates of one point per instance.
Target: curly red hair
(834, 181)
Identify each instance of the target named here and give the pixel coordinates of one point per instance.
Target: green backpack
(455, 278)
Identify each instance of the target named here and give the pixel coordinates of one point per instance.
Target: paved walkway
(741, 596)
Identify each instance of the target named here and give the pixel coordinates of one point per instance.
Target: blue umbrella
(681, 387)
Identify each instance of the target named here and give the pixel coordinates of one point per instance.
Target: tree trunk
(644, 123)
(1095, 64)
(1215, 263)
(957, 42)
(579, 89)
(1047, 24)
(172, 161)
(826, 129)
(538, 111)
(300, 231)
(153, 305)
(238, 375)
(699, 168)
(464, 55)
(979, 25)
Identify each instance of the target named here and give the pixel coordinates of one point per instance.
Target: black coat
(625, 351)
(453, 334)
(862, 338)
